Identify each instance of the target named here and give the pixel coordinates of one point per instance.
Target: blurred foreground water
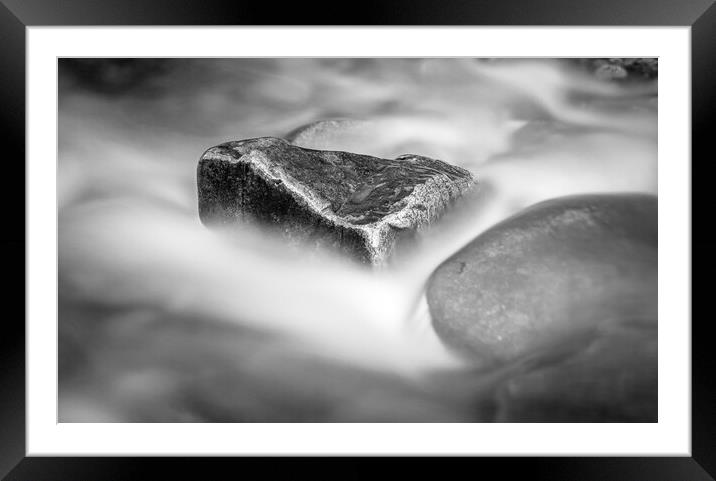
(161, 319)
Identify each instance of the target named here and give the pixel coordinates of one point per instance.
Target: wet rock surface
(556, 270)
(357, 204)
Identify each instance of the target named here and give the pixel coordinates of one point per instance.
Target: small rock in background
(356, 204)
(622, 68)
(327, 134)
(558, 268)
(386, 137)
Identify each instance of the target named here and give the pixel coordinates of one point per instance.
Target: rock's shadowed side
(354, 203)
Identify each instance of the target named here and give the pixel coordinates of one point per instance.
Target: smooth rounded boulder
(555, 270)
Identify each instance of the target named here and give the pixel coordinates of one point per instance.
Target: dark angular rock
(357, 204)
(553, 270)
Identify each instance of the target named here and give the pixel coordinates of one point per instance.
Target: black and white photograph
(357, 240)
(244, 235)
(256, 237)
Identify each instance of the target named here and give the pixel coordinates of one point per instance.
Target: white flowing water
(132, 251)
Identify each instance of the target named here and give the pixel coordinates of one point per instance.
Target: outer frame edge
(703, 99)
(14, 22)
(12, 241)
(371, 12)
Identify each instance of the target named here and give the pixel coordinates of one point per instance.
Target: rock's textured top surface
(355, 203)
(557, 269)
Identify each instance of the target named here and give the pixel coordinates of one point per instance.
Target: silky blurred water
(164, 320)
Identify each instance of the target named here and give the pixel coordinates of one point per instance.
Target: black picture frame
(16, 15)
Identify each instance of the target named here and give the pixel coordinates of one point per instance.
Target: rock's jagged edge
(367, 232)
